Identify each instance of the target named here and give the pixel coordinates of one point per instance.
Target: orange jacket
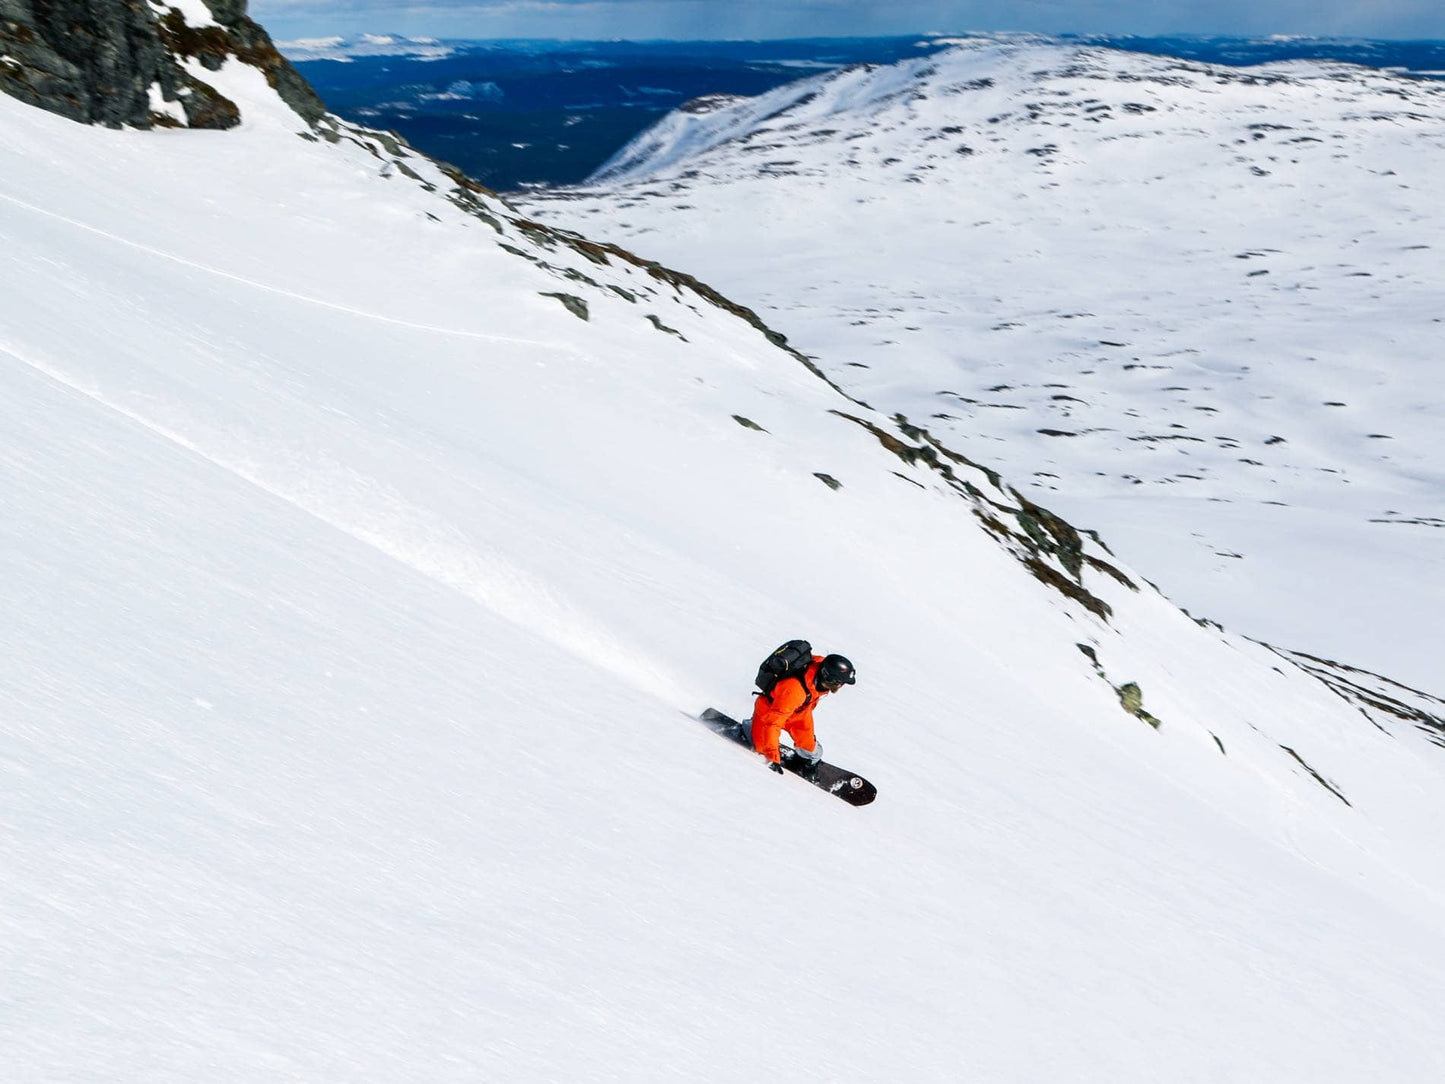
(790, 708)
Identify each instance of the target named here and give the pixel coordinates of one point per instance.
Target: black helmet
(835, 670)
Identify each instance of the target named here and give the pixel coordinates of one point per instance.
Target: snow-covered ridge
(1193, 306)
(365, 544)
(698, 127)
(862, 91)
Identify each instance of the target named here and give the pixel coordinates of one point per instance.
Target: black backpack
(789, 661)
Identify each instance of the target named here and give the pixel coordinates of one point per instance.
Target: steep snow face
(1197, 308)
(363, 548)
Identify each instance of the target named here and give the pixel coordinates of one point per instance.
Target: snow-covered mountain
(364, 547)
(1199, 308)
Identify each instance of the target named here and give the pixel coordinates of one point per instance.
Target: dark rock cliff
(101, 61)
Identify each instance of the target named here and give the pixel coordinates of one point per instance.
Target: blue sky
(698, 19)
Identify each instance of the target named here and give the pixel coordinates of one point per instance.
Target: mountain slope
(355, 587)
(1195, 307)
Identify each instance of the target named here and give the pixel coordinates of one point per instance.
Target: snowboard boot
(800, 762)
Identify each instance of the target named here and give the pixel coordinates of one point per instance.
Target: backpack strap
(808, 691)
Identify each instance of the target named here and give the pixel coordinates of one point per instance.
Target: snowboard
(853, 789)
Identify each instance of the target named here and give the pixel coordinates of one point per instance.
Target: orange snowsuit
(790, 708)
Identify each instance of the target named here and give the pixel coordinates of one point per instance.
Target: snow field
(355, 593)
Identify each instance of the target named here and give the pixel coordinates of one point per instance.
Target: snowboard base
(853, 789)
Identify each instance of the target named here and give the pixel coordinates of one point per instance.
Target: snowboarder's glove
(773, 765)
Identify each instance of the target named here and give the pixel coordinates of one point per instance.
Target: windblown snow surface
(354, 592)
(1195, 307)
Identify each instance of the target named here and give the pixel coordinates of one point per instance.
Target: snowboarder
(789, 706)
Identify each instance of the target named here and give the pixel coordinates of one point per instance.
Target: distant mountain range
(517, 114)
(347, 49)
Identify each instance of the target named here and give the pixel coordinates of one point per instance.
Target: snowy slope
(355, 588)
(1197, 308)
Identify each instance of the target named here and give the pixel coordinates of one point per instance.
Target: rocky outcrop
(89, 60)
(122, 62)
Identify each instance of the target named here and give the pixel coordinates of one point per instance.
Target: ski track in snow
(255, 285)
(360, 508)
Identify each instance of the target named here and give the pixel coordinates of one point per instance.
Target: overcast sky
(698, 19)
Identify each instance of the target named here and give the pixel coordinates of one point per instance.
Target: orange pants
(769, 724)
